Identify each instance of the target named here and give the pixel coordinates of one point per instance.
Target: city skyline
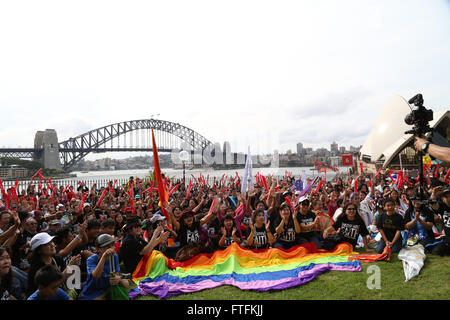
(245, 71)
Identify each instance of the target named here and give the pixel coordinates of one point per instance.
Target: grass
(432, 283)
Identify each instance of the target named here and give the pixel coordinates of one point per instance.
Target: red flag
(318, 187)
(361, 166)
(101, 198)
(325, 175)
(289, 203)
(162, 192)
(188, 192)
(139, 185)
(173, 189)
(356, 186)
(149, 189)
(400, 180)
(378, 172)
(265, 183)
(446, 176)
(81, 204)
(131, 194)
(437, 170)
(38, 172)
(347, 160)
(212, 205)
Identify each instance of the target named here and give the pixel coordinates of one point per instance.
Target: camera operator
(443, 211)
(441, 153)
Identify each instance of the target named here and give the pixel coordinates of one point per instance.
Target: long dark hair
(255, 213)
(279, 218)
(357, 215)
(8, 278)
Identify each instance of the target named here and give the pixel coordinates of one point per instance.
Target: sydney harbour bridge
(126, 136)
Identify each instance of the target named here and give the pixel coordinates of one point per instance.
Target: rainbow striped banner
(257, 270)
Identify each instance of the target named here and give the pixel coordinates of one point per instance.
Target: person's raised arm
(159, 236)
(200, 205)
(210, 215)
(442, 153)
(77, 241)
(11, 230)
(172, 218)
(241, 213)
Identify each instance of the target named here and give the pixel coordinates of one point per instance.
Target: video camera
(419, 117)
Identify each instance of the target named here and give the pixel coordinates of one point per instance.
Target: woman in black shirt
(259, 235)
(228, 232)
(285, 227)
(350, 225)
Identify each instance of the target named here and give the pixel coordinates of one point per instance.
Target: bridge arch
(74, 149)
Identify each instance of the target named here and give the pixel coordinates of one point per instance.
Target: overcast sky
(305, 71)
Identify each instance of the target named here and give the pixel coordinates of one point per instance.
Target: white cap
(157, 217)
(302, 198)
(40, 239)
(60, 206)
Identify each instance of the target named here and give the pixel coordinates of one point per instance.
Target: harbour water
(101, 178)
(178, 173)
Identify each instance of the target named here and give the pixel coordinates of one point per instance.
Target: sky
(272, 73)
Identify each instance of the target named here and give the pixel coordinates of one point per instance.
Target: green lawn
(433, 283)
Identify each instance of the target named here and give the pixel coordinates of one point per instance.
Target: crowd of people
(106, 231)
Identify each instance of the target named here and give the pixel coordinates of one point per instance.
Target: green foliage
(29, 164)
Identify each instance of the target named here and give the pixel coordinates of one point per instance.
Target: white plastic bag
(413, 258)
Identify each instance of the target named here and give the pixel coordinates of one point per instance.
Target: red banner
(347, 160)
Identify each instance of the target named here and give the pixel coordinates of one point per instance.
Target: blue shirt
(60, 295)
(95, 287)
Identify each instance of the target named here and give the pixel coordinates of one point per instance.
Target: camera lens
(409, 119)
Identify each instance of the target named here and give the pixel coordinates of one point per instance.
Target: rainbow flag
(257, 270)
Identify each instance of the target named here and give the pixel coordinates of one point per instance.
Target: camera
(419, 117)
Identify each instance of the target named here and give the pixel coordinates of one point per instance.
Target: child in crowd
(48, 280)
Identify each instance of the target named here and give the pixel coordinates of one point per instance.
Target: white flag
(248, 176)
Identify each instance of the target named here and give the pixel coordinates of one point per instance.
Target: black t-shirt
(213, 228)
(260, 238)
(391, 224)
(189, 235)
(351, 230)
(425, 214)
(288, 233)
(306, 219)
(228, 240)
(444, 212)
(129, 252)
(17, 253)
